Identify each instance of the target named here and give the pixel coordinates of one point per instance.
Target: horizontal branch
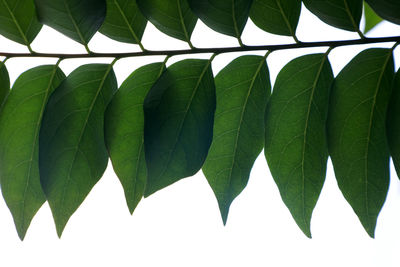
(218, 50)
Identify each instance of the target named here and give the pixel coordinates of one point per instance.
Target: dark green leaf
(19, 142)
(356, 132)
(73, 155)
(295, 137)
(242, 89)
(123, 21)
(4, 83)
(343, 14)
(283, 15)
(77, 19)
(172, 17)
(179, 116)
(124, 128)
(393, 124)
(387, 9)
(18, 21)
(227, 17)
(371, 19)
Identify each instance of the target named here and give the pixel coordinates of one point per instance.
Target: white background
(181, 225)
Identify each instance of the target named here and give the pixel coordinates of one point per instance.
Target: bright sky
(181, 225)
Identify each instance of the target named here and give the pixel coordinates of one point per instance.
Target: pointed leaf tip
(295, 134)
(242, 90)
(357, 132)
(124, 131)
(73, 156)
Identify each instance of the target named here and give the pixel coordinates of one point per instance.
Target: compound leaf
(343, 14)
(393, 124)
(227, 17)
(283, 15)
(77, 19)
(357, 132)
(295, 137)
(19, 143)
(179, 116)
(242, 90)
(387, 9)
(124, 22)
(72, 152)
(124, 128)
(172, 17)
(18, 21)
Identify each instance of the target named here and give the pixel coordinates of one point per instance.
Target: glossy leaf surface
(227, 17)
(393, 124)
(124, 128)
(179, 116)
(124, 22)
(283, 15)
(387, 9)
(357, 132)
(371, 18)
(4, 83)
(18, 21)
(242, 90)
(19, 143)
(343, 14)
(77, 19)
(73, 155)
(295, 137)
(172, 17)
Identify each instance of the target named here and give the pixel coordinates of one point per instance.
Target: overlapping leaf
(172, 17)
(124, 128)
(343, 14)
(179, 116)
(18, 21)
(387, 9)
(19, 142)
(4, 83)
(242, 88)
(73, 155)
(371, 18)
(283, 15)
(77, 19)
(227, 17)
(295, 136)
(393, 124)
(124, 22)
(357, 132)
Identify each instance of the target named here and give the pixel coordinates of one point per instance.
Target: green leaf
(73, 155)
(227, 17)
(124, 128)
(242, 90)
(179, 116)
(19, 143)
(387, 9)
(357, 133)
(4, 83)
(77, 19)
(172, 17)
(343, 14)
(283, 15)
(393, 124)
(371, 19)
(124, 22)
(295, 136)
(18, 21)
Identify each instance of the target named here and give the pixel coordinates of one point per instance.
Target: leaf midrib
(16, 23)
(378, 85)
(78, 31)
(89, 111)
(127, 22)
